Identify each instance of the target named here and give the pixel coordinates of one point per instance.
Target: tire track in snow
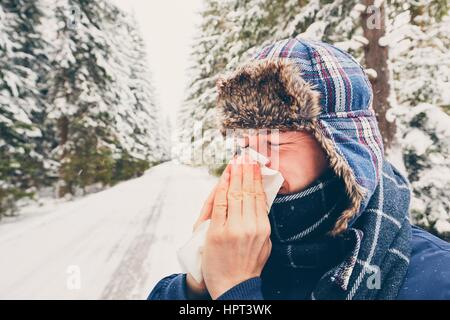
(131, 272)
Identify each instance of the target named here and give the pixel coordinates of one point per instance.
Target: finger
(260, 195)
(248, 175)
(249, 201)
(235, 193)
(219, 212)
(206, 211)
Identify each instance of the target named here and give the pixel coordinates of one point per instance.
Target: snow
(371, 73)
(418, 141)
(442, 226)
(315, 30)
(119, 242)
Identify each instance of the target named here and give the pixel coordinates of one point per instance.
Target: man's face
(296, 154)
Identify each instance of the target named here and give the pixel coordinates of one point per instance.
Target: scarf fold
(301, 220)
(368, 260)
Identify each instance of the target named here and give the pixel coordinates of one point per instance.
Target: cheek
(296, 173)
(295, 177)
(291, 169)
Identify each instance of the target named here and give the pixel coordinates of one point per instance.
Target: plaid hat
(299, 84)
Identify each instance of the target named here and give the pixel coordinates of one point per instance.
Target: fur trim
(266, 94)
(340, 166)
(271, 94)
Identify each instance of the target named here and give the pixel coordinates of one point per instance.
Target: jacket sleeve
(247, 290)
(428, 275)
(174, 287)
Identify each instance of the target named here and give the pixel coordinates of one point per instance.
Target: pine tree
(22, 60)
(137, 118)
(79, 95)
(418, 40)
(101, 98)
(76, 101)
(145, 116)
(208, 57)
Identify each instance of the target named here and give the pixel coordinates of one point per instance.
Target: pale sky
(168, 28)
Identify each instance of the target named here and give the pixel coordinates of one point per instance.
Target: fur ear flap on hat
(268, 94)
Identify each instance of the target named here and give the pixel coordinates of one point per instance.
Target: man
(339, 227)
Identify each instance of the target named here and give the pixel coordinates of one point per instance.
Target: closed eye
(269, 143)
(275, 145)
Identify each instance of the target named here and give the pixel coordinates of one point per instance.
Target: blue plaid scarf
(367, 261)
(300, 222)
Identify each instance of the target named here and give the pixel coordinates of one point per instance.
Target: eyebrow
(269, 140)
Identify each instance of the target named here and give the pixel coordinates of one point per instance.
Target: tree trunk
(63, 126)
(63, 131)
(376, 58)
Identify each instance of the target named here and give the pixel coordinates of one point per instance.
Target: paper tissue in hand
(189, 255)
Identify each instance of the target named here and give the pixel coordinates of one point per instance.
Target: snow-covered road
(115, 244)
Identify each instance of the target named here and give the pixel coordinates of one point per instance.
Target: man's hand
(238, 240)
(197, 290)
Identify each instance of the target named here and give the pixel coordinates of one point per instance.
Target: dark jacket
(428, 277)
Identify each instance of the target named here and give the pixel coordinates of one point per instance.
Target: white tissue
(189, 256)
